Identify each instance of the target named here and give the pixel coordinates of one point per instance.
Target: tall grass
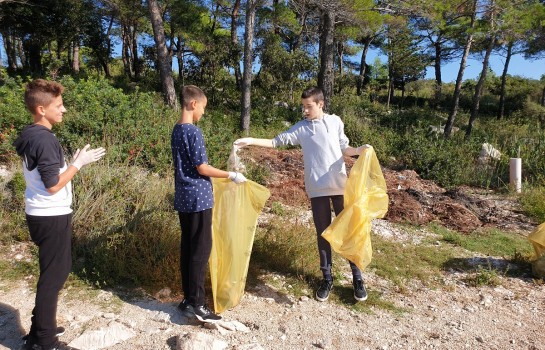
(125, 228)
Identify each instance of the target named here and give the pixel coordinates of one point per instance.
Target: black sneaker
(322, 294)
(186, 308)
(31, 340)
(360, 294)
(204, 314)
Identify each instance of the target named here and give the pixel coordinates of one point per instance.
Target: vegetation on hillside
(125, 229)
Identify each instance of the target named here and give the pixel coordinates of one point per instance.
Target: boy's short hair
(41, 92)
(316, 93)
(190, 93)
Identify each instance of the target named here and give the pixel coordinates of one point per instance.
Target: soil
(453, 316)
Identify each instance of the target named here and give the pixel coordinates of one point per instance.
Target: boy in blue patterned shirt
(194, 200)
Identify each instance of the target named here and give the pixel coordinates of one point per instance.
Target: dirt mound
(283, 173)
(412, 199)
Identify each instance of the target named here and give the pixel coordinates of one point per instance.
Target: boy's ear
(39, 110)
(192, 104)
(321, 103)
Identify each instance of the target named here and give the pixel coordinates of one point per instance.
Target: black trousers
(52, 235)
(196, 245)
(321, 213)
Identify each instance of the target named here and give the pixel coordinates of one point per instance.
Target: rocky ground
(452, 316)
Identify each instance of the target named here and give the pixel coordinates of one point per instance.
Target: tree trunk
(543, 97)
(363, 65)
(458, 87)
(235, 52)
(501, 110)
(35, 57)
(163, 59)
(20, 51)
(438, 78)
(125, 54)
(75, 57)
(11, 53)
(134, 51)
(326, 77)
(180, 58)
(479, 87)
(246, 104)
(340, 53)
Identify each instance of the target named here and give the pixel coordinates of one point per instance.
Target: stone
(104, 337)
(199, 341)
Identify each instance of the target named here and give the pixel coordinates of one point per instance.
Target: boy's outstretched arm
(208, 170)
(250, 141)
(351, 151)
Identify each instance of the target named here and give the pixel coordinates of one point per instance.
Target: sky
(531, 69)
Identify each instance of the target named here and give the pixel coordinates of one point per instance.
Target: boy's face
(198, 108)
(311, 108)
(52, 113)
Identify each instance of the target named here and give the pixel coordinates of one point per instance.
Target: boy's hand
(243, 142)
(362, 148)
(86, 156)
(236, 177)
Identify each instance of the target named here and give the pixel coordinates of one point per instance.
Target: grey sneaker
(360, 293)
(204, 314)
(322, 294)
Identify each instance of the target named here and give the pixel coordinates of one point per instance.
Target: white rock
(199, 341)
(114, 333)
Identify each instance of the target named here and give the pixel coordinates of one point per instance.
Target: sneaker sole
(321, 299)
(360, 299)
(205, 320)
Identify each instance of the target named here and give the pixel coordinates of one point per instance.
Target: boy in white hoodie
(324, 143)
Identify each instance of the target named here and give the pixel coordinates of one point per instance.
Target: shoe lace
(206, 309)
(358, 285)
(326, 284)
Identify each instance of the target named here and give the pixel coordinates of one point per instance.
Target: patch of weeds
(286, 248)
(533, 203)
(402, 262)
(278, 209)
(492, 242)
(483, 277)
(21, 269)
(344, 294)
(257, 173)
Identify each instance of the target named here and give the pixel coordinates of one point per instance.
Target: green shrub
(533, 202)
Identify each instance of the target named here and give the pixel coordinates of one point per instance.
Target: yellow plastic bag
(365, 199)
(234, 219)
(537, 238)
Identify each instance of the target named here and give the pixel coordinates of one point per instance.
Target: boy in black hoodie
(48, 197)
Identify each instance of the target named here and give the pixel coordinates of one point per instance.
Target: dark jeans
(321, 213)
(196, 245)
(52, 235)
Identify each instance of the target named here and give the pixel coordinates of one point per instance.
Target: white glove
(86, 156)
(243, 142)
(236, 177)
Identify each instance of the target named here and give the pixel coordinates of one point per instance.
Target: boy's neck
(186, 118)
(38, 120)
(320, 116)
